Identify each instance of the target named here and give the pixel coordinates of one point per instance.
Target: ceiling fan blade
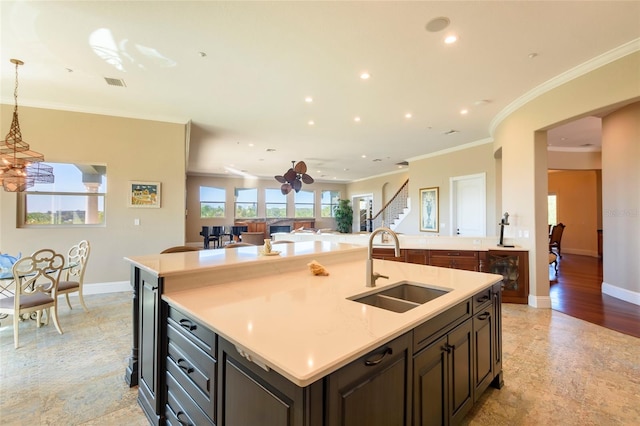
(307, 179)
(296, 185)
(280, 179)
(290, 176)
(285, 188)
(301, 167)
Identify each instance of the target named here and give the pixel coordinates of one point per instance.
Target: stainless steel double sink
(400, 297)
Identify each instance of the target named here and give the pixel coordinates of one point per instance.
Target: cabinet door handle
(483, 299)
(378, 360)
(447, 348)
(453, 253)
(187, 368)
(185, 323)
(483, 316)
(183, 422)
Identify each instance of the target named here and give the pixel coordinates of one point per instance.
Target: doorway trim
(355, 204)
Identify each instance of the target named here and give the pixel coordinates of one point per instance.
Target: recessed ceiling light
(308, 99)
(250, 144)
(311, 123)
(364, 156)
(408, 115)
(356, 119)
(464, 111)
(438, 24)
(451, 39)
(365, 75)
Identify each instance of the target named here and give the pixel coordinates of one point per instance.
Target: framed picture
(144, 194)
(429, 208)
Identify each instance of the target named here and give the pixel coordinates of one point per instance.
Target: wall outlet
(526, 234)
(136, 222)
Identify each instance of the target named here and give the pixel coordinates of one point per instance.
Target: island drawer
(181, 409)
(459, 254)
(193, 369)
(193, 330)
(481, 300)
(441, 324)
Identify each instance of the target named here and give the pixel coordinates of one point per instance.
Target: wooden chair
(36, 279)
(236, 245)
(179, 249)
(73, 281)
(555, 240)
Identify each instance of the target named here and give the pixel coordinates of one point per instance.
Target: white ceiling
(263, 58)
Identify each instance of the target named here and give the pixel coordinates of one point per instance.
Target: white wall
(521, 136)
(132, 150)
(621, 203)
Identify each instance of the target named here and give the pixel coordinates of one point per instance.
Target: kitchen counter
(301, 325)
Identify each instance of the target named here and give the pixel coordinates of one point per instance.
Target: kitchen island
(239, 336)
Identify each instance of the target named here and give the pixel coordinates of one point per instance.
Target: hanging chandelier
(294, 177)
(20, 167)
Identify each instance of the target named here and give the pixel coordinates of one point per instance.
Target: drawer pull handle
(183, 422)
(455, 253)
(377, 361)
(448, 348)
(185, 323)
(187, 368)
(483, 298)
(483, 316)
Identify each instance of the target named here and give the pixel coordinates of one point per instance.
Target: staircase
(394, 212)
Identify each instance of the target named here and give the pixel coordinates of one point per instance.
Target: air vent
(402, 163)
(115, 82)
(450, 132)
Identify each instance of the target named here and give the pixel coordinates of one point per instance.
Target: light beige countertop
(301, 325)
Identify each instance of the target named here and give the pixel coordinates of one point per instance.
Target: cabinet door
(430, 388)
(374, 390)
(497, 336)
(483, 335)
(456, 259)
(460, 344)
(421, 257)
(388, 254)
(251, 395)
(514, 268)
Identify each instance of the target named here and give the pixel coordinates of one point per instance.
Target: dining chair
(555, 240)
(73, 281)
(236, 245)
(179, 249)
(36, 279)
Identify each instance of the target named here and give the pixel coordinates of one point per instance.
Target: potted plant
(344, 216)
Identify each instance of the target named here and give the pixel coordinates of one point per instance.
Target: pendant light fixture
(20, 167)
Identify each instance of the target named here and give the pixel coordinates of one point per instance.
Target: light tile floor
(558, 370)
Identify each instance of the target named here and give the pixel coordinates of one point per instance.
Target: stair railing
(392, 210)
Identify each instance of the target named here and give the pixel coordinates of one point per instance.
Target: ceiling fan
(294, 177)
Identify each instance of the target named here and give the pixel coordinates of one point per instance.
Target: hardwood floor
(576, 291)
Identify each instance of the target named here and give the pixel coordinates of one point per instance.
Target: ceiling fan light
(285, 188)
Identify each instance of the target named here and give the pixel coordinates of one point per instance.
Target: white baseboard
(542, 302)
(621, 293)
(103, 288)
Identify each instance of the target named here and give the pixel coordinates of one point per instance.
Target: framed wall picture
(429, 209)
(144, 194)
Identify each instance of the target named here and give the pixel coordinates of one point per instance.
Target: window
(75, 198)
(212, 202)
(276, 203)
(304, 204)
(552, 209)
(328, 203)
(246, 202)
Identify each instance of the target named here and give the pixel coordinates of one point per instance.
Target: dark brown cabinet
(374, 390)
(252, 395)
(456, 259)
(443, 380)
(420, 257)
(191, 371)
(514, 268)
(150, 359)
(388, 254)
